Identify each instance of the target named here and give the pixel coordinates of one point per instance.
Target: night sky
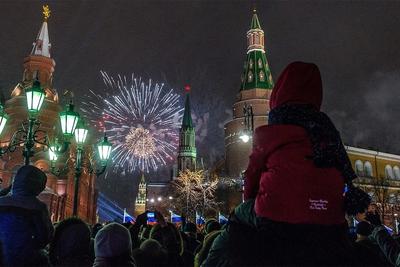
(202, 43)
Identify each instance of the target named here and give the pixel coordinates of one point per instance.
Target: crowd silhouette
(299, 196)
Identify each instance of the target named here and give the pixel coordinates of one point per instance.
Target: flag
(128, 218)
(151, 218)
(175, 218)
(199, 219)
(388, 229)
(222, 219)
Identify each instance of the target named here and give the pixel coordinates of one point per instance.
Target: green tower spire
(255, 23)
(187, 115)
(256, 72)
(187, 153)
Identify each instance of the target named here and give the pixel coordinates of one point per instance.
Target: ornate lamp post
(30, 134)
(80, 133)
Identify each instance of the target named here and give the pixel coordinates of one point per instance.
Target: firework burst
(141, 119)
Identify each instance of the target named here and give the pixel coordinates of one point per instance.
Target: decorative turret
(41, 47)
(141, 198)
(256, 72)
(254, 94)
(187, 139)
(39, 64)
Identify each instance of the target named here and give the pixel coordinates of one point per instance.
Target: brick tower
(141, 198)
(59, 190)
(255, 90)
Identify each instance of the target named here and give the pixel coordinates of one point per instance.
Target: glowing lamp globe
(52, 154)
(104, 148)
(81, 132)
(69, 119)
(245, 138)
(3, 119)
(34, 97)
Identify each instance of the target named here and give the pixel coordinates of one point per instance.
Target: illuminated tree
(193, 192)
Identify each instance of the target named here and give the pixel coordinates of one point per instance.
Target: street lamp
(34, 97)
(104, 149)
(81, 132)
(247, 133)
(29, 133)
(69, 119)
(244, 137)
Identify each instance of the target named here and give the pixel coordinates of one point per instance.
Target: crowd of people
(299, 194)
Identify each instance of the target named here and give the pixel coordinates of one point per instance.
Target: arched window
(250, 76)
(389, 172)
(262, 76)
(396, 172)
(368, 169)
(256, 39)
(260, 63)
(359, 167)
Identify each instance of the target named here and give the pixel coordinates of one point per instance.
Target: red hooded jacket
(286, 184)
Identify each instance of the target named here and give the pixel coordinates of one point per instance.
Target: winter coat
(25, 226)
(389, 246)
(281, 174)
(369, 254)
(201, 256)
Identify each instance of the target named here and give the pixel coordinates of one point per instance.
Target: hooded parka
(281, 175)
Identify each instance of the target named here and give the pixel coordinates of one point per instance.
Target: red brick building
(59, 190)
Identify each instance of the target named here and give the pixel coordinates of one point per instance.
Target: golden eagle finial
(46, 12)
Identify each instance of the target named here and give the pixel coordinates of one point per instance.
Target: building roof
(256, 73)
(255, 23)
(187, 115)
(41, 46)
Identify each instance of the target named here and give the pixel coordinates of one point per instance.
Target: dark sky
(355, 44)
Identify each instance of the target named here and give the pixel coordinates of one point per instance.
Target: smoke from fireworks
(141, 119)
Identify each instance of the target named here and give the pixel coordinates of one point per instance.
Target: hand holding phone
(151, 218)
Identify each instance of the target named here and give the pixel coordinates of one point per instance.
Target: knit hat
(150, 245)
(364, 228)
(71, 239)
(190, 228)
(112, 240)
(212, 225)
(29, 181)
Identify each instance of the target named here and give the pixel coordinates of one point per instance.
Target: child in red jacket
(295, 182)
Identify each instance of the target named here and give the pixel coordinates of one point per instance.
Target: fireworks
(141, 119)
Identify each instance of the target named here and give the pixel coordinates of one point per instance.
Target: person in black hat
(367, 250)
(25, 226)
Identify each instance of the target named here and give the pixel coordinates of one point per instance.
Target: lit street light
(245, 137)
(81, 133)
(247, 133)
(29, 133)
